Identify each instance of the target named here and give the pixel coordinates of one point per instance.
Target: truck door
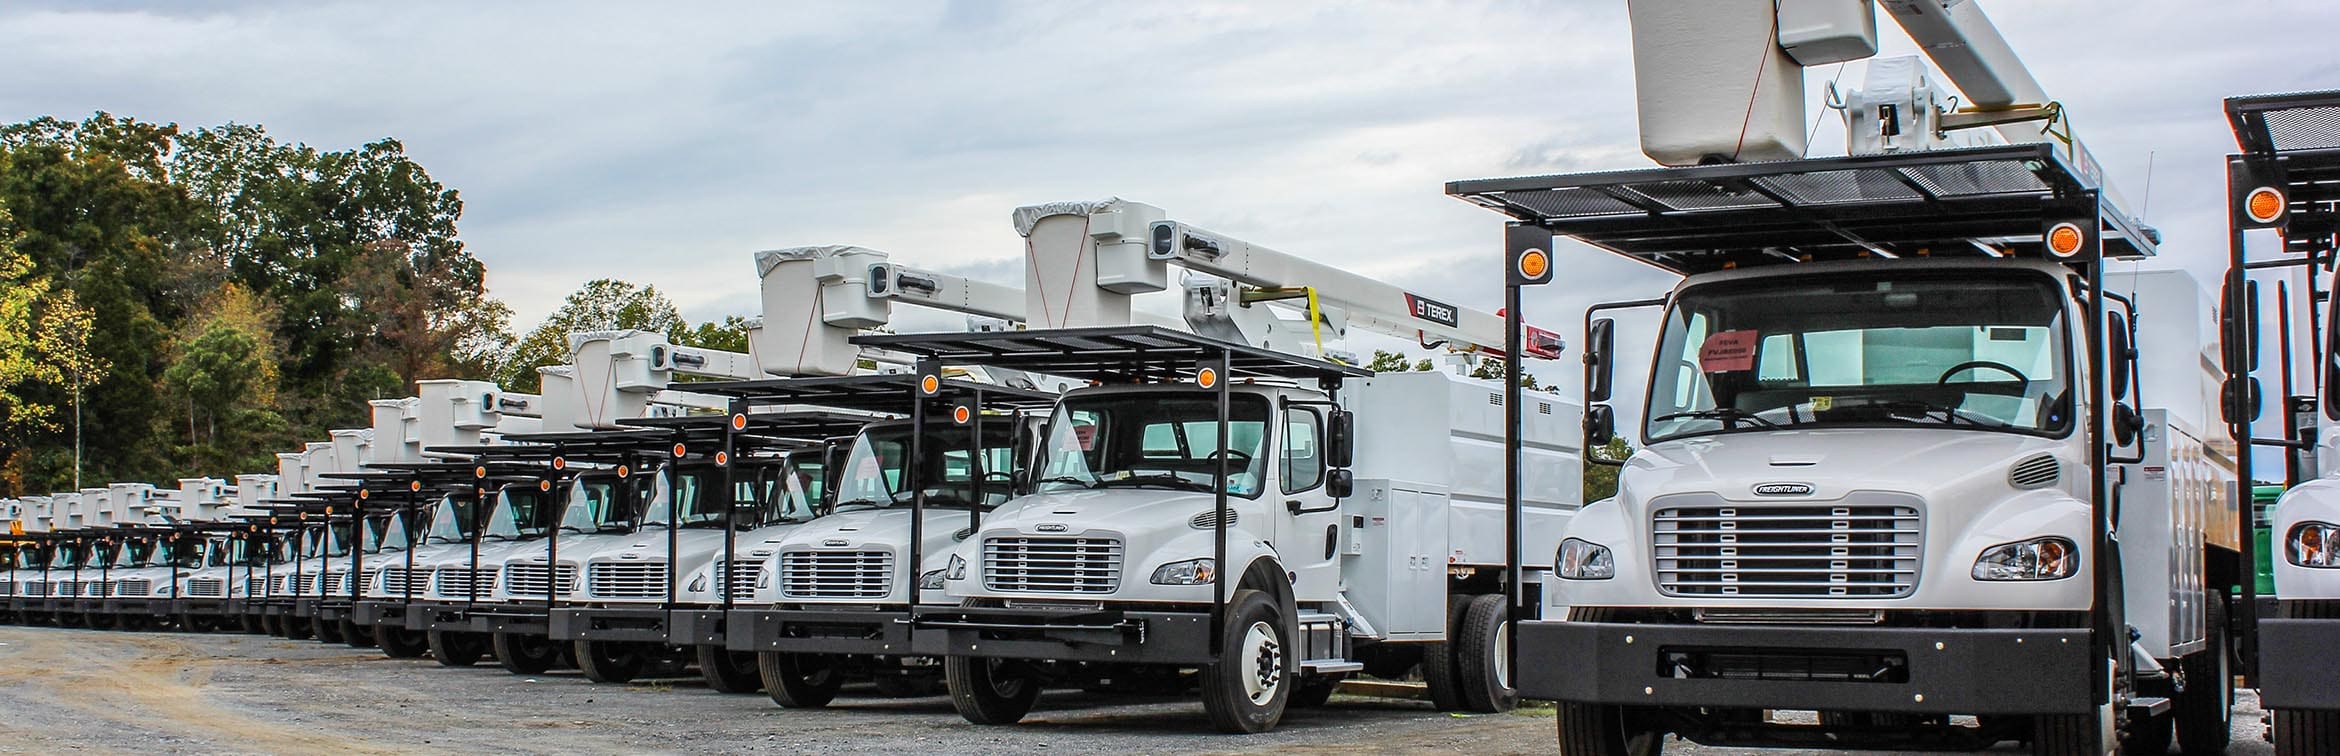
(1308, 531)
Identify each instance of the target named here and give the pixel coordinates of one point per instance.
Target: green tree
(730, 334)
(1600, 480)
(1385, 361)
(1491, 368)
(604, 304)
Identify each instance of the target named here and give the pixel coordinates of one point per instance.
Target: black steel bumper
(440, 616)
(2299, 662)
(371, 612)
(1919, 670)
(871, 632)
(200, 607)
(644, 624)
(1087, 636)
(133, 607)
(306, 606)
(523, 619)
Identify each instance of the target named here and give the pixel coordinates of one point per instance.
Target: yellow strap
(1316, 324)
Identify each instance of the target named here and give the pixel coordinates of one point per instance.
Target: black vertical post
(2240, 327)
(673, 523)
(406, 586)
(1527, 262)
(2106, 634)
(731, 429)
(913, 470)
(1219, 368)
(978, 464)
(552, 543)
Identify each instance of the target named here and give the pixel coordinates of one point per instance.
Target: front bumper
(1106, 635)
(831, 630)
(642, 624)
(200, 607)
(520, 619)
(2298, 665)
(1888, 669)
(372, 612)
(135, 607)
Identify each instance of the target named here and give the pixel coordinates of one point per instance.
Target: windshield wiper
(1163, 479)
(864, 502)
(1082, 482)
(497, 536)
(1725, 414)
(1924, 409)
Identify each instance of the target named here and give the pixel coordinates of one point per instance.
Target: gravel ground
(147, 692)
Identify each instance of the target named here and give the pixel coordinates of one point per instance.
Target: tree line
(182, 302)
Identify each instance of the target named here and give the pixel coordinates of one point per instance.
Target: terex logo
(1431, 310)
(1784, 489)
(1050, 527)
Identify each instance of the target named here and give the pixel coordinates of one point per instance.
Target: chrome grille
(336, 584)
(36, 588)
(1834, 549)
(308, 584)
(1052, 563)
(529, 579)
(204, 587)
(134, 587)
(398, 581)
(836, 574)
(464, 582)
(255, 586)
(627, 579)
(67, 588)
(97, 589)
(739, 577)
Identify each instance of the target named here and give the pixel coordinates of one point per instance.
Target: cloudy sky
(664, 146)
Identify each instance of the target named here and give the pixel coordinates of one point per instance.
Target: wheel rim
(1503, 656)
(1262, 658)
(1003, 683)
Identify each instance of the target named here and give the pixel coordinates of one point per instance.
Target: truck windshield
(604, 504)
(696, 488)
(68, 556)
(186, 554)
(452, 522)
(1971, 351)
(1155, 440)
(129, 554)
(873, 470)
(522, 511)
(391, 536)
(336, 539)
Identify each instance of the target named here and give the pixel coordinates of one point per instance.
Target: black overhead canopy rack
(2297, 135)
(1966, 202)
(1110, 354)
(865, 393)
(791, 428)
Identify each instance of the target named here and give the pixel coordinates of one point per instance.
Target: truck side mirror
(2121, 356)
(2125, 424)
(1340, 438)
(2238, 316)
(2239, 399)
(1599, 339)
(1340, 483)
(1600, 426)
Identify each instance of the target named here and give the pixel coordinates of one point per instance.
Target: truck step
(1330, 666)
(2148, 706)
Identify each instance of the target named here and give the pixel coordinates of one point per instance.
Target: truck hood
(1832, 462)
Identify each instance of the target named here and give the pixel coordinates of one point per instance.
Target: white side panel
(1393, 565)
(2167, 502)
(1396, 413)
(1709, 78)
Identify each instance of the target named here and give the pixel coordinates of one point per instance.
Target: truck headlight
(931, 580)
(1189, 572)
(699, 583)
(2050, 558)
(1584, 560)
(2311, 544)
(957, 570)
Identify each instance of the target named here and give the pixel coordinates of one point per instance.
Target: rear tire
(1482, 657)
(454, 649)
(800, 681)
(1246, 690)
(729, 671)
(1438, 667)
(2070, 734)
(524, 654)
(400, 643)
(1314, 692)
(2204, 713)
(989, 691)
(2148, 738)
(610, 662)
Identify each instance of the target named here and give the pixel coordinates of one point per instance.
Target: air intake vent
(962, 533)
(2036, 472)
(1209, 520)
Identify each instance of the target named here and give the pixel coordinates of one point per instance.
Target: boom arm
(817, 298)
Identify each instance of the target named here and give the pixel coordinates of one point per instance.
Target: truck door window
(1303, 436)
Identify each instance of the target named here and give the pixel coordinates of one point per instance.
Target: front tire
(2071, 734)
(1246, 690)
(400, 643)
(1600, 730)
(295, 628)
(356, 637)
(610, 662)
(800, 681)
(524, 654)
(2307, 733)
(326, 632)
(989, 691)
(729, 671)
(455, 649)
